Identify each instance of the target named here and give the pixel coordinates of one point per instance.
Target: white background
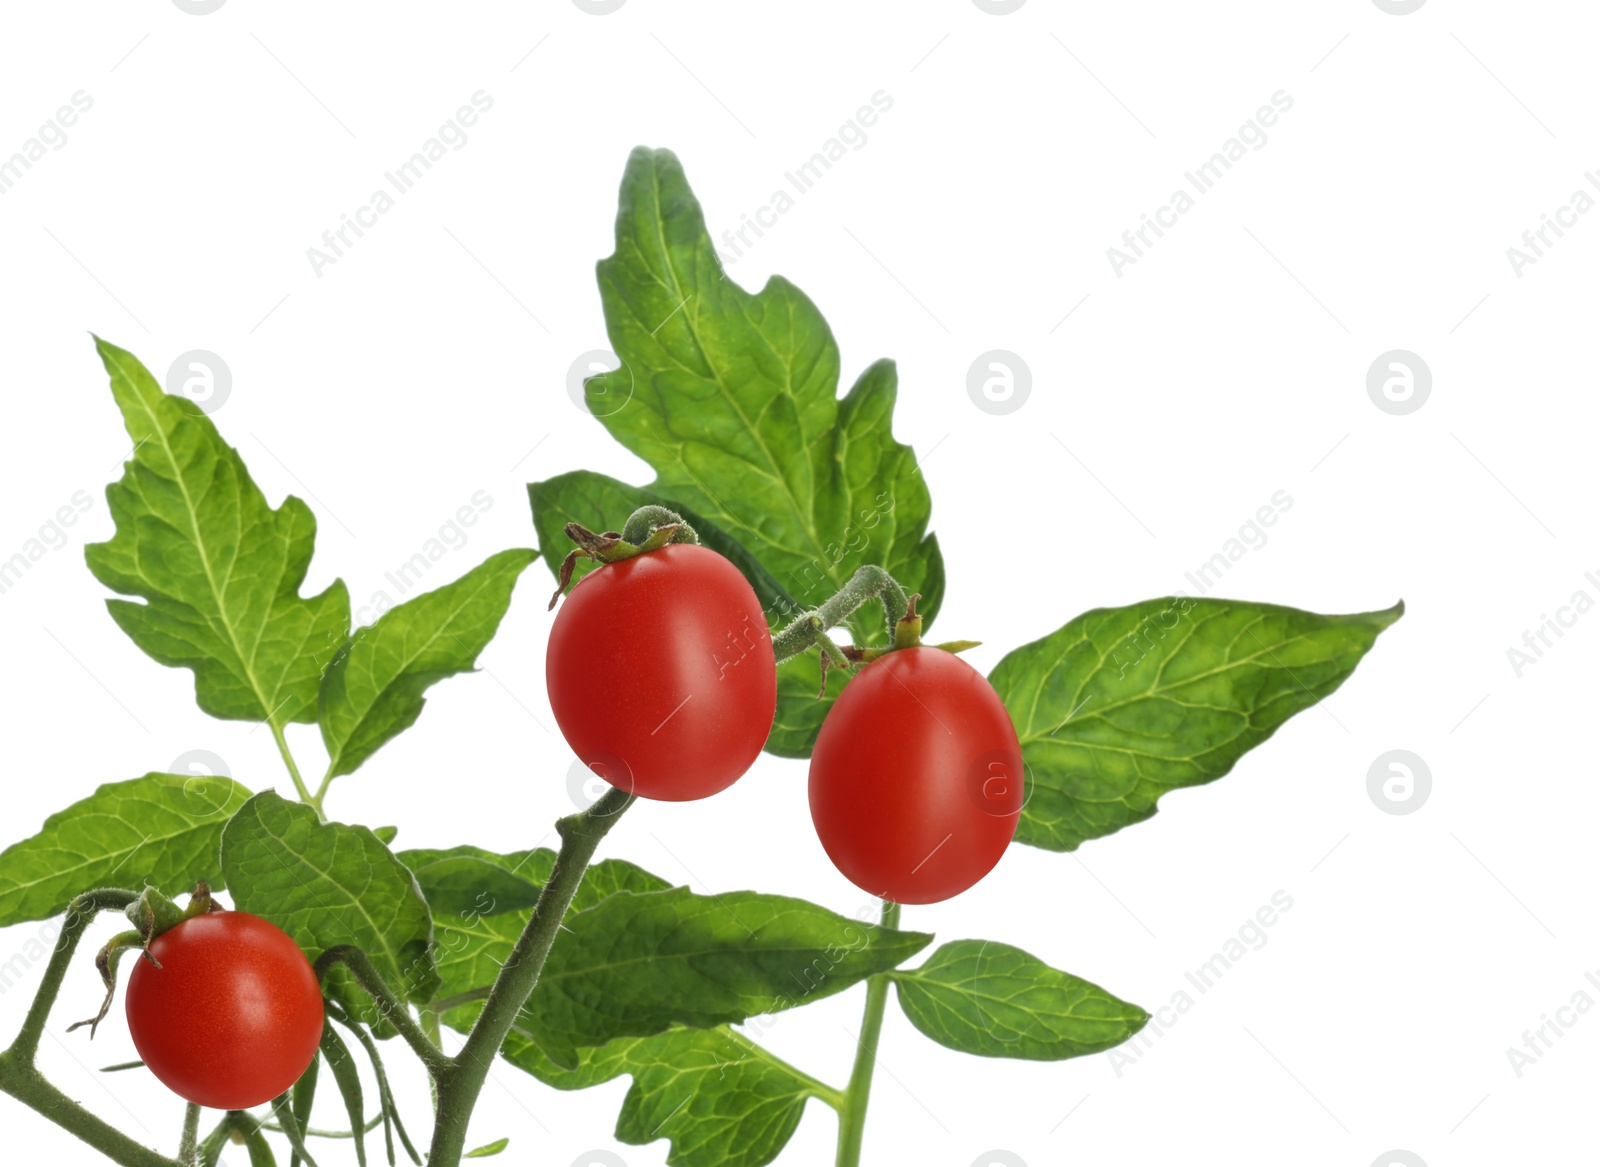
(1227, 364)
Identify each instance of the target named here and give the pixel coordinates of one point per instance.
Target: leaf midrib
(1160, 689)
(325, 877)
(246, 665)
(774, 473)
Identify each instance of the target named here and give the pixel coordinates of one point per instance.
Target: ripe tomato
(661, 674)
(233, 1015)
(916, 779)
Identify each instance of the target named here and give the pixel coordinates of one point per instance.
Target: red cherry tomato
(661, 674)
(233, 1015)
(916, 779)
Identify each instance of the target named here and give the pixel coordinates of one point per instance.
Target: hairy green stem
(853, 1114)
(315, 802)
(389, 1006)
(868, 583)
(22, 1080)
(461, 1083)
(312, 1132)
(189, 1143)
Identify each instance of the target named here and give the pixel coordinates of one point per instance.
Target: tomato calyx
(649, 528)
(151, 915)
(907, 634)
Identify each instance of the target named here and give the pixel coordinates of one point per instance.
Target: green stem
(294, 771)
(461, 1083)
(18, 1075)
(189, 1144)
(389, 1006)
(431, 1027)
(868, 583)
(853, 1114)
(312, 1132)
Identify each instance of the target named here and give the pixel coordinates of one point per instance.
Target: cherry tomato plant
(773, 588)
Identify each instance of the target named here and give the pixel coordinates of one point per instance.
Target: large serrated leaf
(162, 830)
(374, 687)
(721, 1099)
(481, 901)
(996, 1001)
(219, 570)
(1121, 705)
(637, 963)
(327, 884)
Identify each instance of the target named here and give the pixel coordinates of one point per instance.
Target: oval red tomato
(661, 674)
(917, 776)
(233, 1015)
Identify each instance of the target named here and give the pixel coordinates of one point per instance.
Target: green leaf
(637, 963)
(733, 399)
(161, 829)
(487, 1149)
(467, 880)
(1121, 705)
(480, 902)
(996, 1001)
(327, 884)
(219, 569)
(800, 713)
(374, 687)
(721, 1099)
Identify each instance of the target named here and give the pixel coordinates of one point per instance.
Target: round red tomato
(916, 779)
(233, 1015)
(661, 673)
